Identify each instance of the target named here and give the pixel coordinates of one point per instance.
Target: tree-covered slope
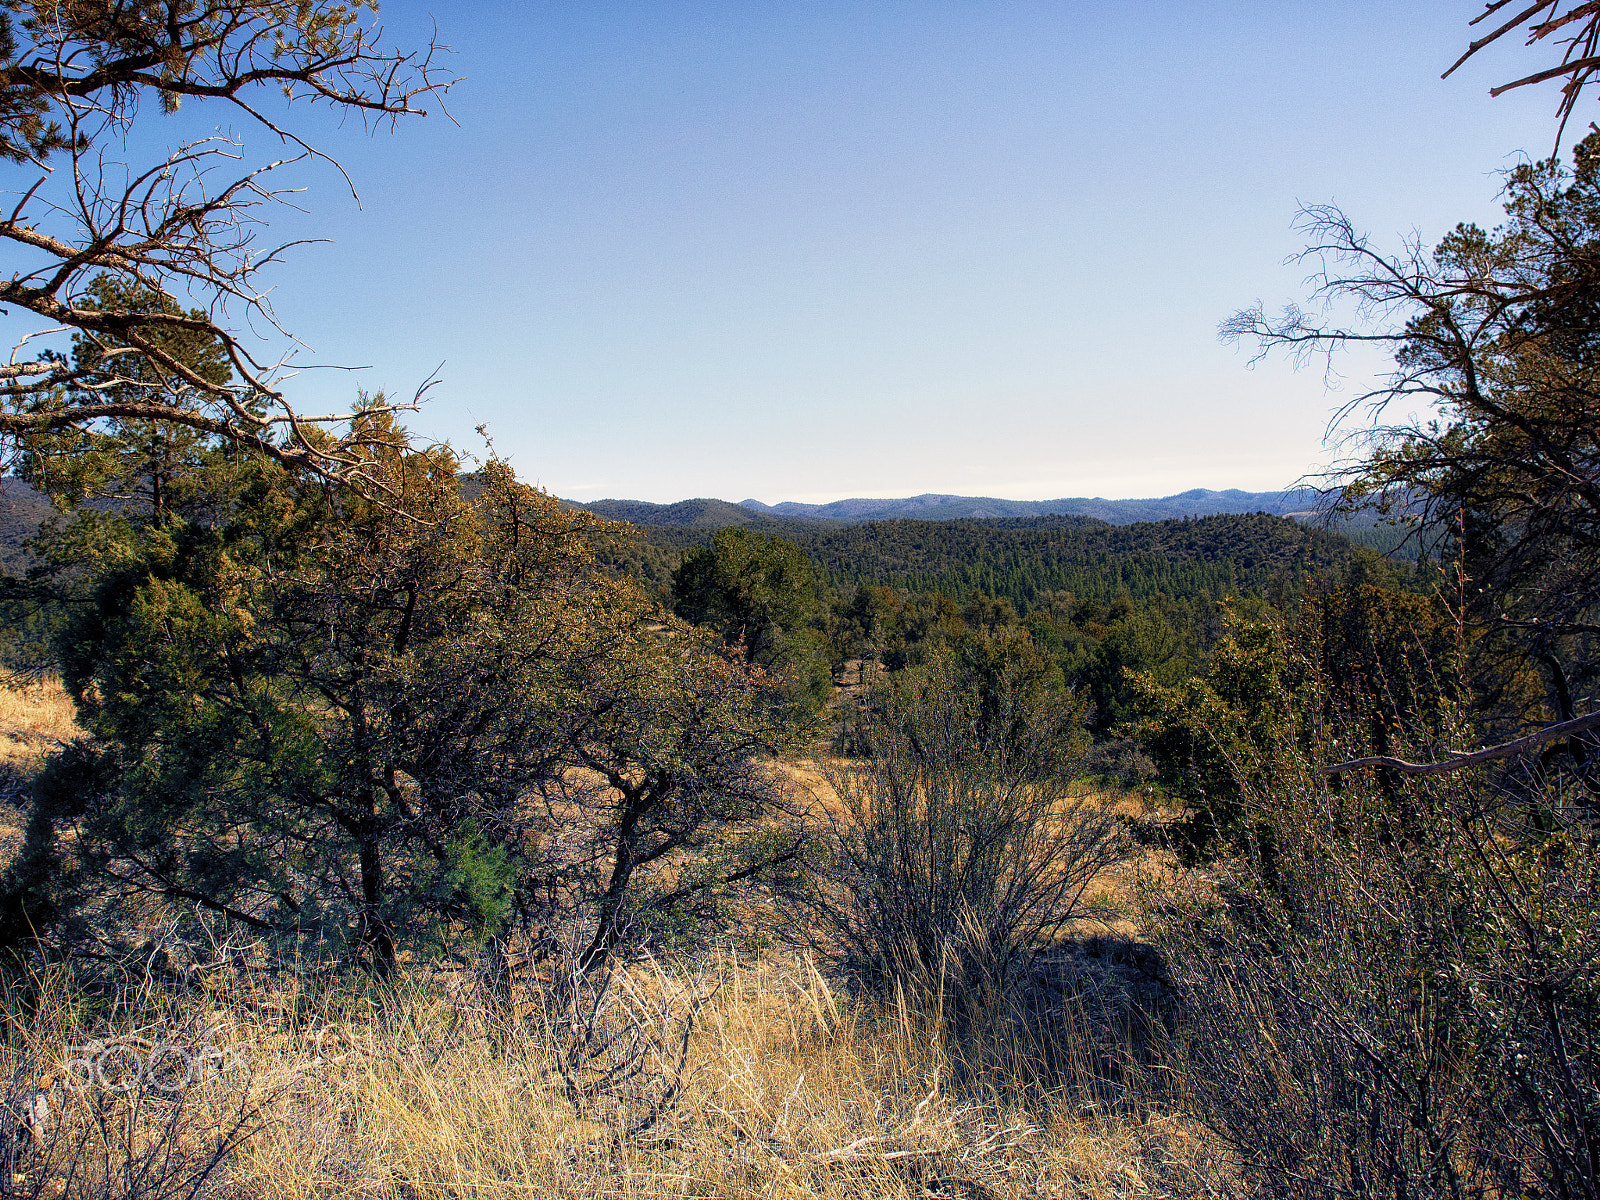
(1024, 559)
(22, 511)
(1021, 559)
(1197, 502)
(685, 514)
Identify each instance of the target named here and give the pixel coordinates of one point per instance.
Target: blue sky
(801, 251)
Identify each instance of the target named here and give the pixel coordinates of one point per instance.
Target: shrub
(1392, 989)
(957, 851)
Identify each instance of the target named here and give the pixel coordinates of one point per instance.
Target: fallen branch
(1462, 759)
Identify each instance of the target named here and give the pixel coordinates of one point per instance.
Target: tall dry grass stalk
(305, 1088)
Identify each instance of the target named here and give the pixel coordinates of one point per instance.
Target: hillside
(685, 514)
(1025, 558)
(715, 514)
(22, 511)
(1197, 502)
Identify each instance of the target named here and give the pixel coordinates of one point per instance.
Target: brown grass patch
(423, 1091)
(35, 718)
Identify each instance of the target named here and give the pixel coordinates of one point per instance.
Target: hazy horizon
(834, 499)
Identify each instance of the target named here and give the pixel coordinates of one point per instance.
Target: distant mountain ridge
(1197, 502)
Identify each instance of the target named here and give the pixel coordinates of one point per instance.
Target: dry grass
(423, 1091)
(35, 717)
(809, 776)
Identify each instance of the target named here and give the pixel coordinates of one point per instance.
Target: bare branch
(183, 227)
(1460, 759)
(1545, 19)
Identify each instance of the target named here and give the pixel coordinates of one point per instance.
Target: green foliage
(323, 714)
(759, 593)
(921, 624)
(474, 879)
(337, 684)
(1139, 642)
(1099, 601)
(676, 798)
(1374, 657)
(754, 588)
(44, 890)
(1213, 735)
(622, 550)
(863, 623)
(1388, 976)
(128, 459)
(1033, 562)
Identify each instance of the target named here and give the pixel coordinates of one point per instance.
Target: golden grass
(422, 1091)
(35, 717)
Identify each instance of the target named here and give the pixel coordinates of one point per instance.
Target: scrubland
(206, 1069)
(1326, 1028)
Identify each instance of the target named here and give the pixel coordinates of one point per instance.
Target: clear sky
(809, 250)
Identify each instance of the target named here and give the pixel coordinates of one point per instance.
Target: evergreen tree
(323, 715)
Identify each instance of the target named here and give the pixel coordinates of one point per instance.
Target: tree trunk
(375, 934)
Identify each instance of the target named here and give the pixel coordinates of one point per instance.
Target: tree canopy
(759, 592)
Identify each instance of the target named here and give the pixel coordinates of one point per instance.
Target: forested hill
(792, 520)
(708, 513)
(1197, 502)
(1018, 558)
(1024, 559)
(22, 511)
(702, 513)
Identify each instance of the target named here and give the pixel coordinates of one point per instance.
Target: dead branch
(1461, 759)
(1578, 61)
